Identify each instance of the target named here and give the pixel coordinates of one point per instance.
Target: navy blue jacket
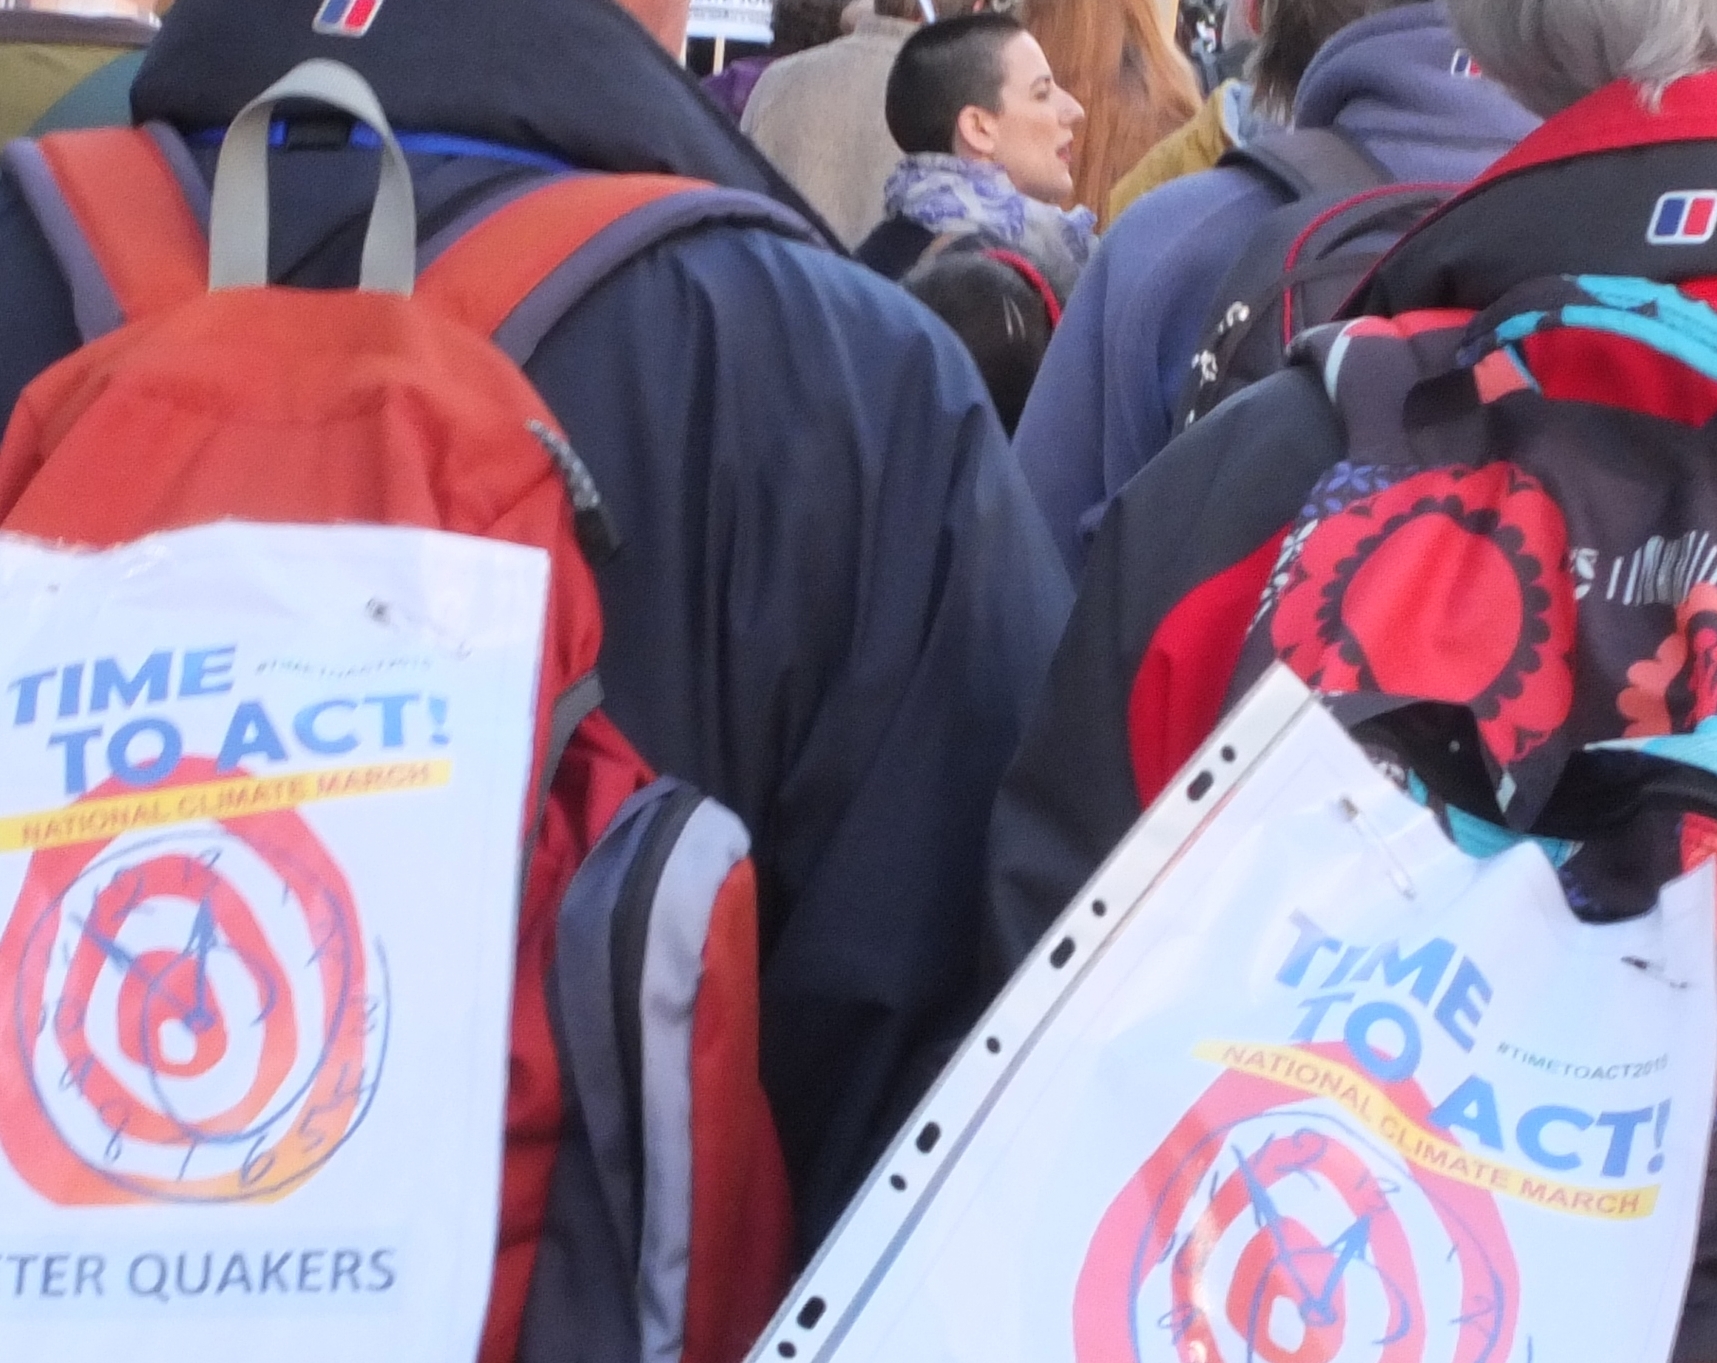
(1105, 397)
(835, 600)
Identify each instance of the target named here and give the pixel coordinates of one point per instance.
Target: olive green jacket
(43, 55)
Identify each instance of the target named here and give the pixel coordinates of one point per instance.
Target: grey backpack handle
(238, 214)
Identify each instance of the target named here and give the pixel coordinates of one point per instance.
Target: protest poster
(739, 21)
(1296, 1081)
(261, 790)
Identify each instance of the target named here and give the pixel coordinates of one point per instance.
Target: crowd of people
(938, 672)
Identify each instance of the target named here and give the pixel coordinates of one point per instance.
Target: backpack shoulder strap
(1345, 241)
(1299, 267)
(125, 214)
(1309, 162)
(514, 269)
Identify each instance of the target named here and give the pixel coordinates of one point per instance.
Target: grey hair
(1551, 53)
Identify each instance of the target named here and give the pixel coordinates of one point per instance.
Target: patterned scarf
(950, 194)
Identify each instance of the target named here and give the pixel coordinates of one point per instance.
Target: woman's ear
(975, 133)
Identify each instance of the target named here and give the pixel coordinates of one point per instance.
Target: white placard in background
(740, 21)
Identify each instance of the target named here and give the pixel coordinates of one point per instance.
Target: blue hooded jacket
(1105, 397)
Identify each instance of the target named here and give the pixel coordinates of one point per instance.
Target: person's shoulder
(715, 249)
(801, 69)
(780, 98)
(1184, 231)
(1251, 459)
(777, 77)
(1188, 206)
(760, 288)
(789, 365)
(877, 40)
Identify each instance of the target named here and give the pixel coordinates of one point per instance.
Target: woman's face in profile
(1033, 129)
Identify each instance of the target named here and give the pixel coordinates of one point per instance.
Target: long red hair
(1120, 63)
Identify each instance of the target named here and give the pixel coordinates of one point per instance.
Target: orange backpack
(642, 1216)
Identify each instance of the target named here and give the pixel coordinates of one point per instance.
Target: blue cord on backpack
(428, 144)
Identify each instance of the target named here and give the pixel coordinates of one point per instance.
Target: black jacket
(835, 599)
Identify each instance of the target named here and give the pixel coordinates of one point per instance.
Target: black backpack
(1305, 259)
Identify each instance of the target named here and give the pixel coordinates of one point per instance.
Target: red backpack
(644, 1206)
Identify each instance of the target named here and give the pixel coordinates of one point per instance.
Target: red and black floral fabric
(1524, 527)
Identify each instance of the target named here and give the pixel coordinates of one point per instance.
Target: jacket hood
(1535, 212)
(578, 79)
(1400, 77)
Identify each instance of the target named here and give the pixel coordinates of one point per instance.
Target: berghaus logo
(346, 18)
(1683, 217)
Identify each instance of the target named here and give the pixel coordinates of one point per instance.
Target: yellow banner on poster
(230, 798)
(1319, 1076)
